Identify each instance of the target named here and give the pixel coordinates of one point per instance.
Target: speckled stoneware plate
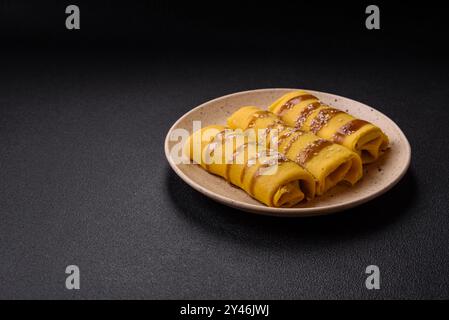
(378, 177)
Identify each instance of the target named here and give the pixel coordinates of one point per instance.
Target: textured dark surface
(84, 179)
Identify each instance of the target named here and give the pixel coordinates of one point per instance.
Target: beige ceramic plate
(378, 177)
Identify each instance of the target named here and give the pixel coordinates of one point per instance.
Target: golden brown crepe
(264, 174)
(303, 110)
(328, 162)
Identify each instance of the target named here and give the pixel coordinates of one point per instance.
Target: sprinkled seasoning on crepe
(329, 163)
(302, 110)
(265, 174)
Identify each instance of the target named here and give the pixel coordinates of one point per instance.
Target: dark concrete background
(84, 179)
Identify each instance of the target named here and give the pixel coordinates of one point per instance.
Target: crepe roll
(329, 163)
(303, 110)
(264, 174)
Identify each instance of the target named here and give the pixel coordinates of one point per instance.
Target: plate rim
(282, 212)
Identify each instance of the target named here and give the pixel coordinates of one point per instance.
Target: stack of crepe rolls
(264, 174)
(329, 163)
(303, 110)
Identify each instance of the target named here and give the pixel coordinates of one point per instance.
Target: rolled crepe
(264, 174)
(329, 163)
(303, 110)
